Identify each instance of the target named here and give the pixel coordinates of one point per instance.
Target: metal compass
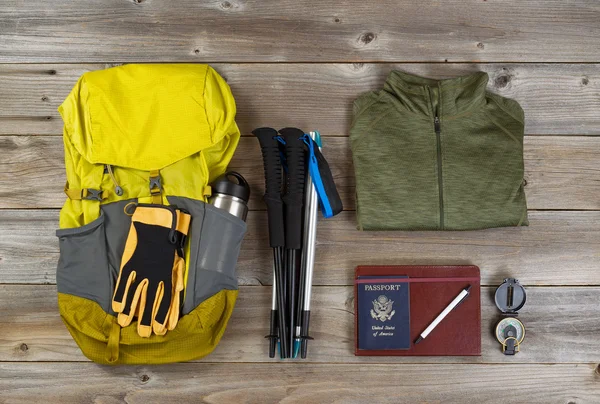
(510, 332)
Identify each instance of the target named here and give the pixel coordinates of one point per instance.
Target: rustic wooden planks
(33, 330)
(561, 171)
(558, 248)
(308, 30)
(297, 383)
(557, 98)
(337, 51)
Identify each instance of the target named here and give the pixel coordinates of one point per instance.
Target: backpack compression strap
(155, 187)
(84, 194)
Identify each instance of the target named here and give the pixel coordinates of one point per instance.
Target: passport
(383, 313)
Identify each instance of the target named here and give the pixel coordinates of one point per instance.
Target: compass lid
(510, 296)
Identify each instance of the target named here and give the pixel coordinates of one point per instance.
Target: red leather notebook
(432, 288)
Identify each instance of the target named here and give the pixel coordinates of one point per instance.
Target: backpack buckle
(91, 194)
(155, 185)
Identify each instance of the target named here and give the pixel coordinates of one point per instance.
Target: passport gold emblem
(382, 309)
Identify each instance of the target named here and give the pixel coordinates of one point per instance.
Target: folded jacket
(438, 155)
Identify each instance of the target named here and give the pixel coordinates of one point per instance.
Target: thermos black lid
(232, 183)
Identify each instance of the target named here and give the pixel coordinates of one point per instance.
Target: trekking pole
(272, 166)
(273, 329)
(293, 200)
(308, 253)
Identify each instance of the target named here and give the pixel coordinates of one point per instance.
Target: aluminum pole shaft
(310, 238)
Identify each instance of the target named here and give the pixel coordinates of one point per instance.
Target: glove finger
(162, 309)
(145, 310)
(174, 312)
(130, 307)
(178, 274)
(127, 268)
(129, 299)
(122, 289)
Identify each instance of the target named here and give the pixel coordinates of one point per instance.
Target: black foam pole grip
(272, 165)
(294, 195)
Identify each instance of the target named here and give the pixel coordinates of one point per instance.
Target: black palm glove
(151, 275)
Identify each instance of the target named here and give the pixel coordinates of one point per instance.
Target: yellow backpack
(146, 134)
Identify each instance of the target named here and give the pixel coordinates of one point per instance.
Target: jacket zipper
(438, 134)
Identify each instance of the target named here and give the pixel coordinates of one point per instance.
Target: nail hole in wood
(144, 378)
(598, 370)
(336, 19)
(226, 5)
(137, 1)
(197, 51)
(445, 60)
(24, 347)
(52, 72)
(480, 45)
(44, 98)
(48, 118)
(585, 81)
(524, 182)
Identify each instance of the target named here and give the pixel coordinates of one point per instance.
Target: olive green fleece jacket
(437, 155)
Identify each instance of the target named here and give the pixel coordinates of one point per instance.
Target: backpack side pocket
(83, 268)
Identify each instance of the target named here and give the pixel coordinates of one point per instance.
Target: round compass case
(510, 297)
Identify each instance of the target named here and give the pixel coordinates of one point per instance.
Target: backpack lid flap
(148, 116)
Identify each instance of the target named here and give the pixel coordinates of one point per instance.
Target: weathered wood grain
(297, 383)
(308, 30)
(557, 98)
(562, 326)
(558, 248)
(562, 172)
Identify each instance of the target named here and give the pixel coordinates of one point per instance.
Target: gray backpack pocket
(215, 241)
(83, 268)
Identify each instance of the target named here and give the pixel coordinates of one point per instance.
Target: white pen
(457, 300)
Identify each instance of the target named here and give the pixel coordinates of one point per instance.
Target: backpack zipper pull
(118, 189)
(436, 124)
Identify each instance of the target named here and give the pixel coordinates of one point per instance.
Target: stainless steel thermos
(231, 192)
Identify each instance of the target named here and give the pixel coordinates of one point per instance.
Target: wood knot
(44, 98)
(138, 1)
(336, 19)
(502, 81)
(480, 45)
(24, 347)
(226, 5)
(52, 72)
(349, 304)
(144, 378)
(585, 81)
(357, 66)
(367, 38)
(197, 51)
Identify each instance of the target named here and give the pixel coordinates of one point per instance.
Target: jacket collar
(458, 95)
